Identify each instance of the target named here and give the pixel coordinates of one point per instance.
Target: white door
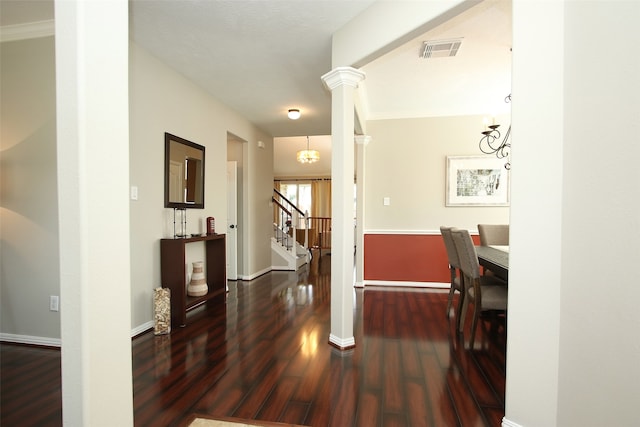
(176, 182)
(232, 220)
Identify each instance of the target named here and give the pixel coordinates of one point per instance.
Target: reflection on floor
(261, 353)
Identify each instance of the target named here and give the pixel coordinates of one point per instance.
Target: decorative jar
(198, 285)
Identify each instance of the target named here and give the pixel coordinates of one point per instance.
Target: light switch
(134, 192)
(386, 201)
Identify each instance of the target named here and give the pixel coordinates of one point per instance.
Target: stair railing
(288, 218)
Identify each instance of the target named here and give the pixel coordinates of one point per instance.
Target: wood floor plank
(280, 395)
(369, 410)
(417, 407)
(312, 378)
(374, 363)
(392, 392)
(294, 413)
(262, 352)
(443, 410)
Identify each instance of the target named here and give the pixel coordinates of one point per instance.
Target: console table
(173, 273)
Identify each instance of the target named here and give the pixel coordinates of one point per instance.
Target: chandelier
(308, 156)
(490, 143)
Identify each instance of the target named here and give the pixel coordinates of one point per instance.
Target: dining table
(494, 258)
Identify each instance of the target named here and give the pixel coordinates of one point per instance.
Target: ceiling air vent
(440, 48)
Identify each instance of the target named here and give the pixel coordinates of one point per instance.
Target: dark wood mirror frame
(183, 190)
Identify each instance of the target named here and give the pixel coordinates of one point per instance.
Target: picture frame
(476, 181)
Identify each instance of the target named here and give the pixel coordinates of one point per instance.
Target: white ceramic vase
(198, 285)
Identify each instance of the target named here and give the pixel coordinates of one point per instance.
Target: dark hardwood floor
(264, 355)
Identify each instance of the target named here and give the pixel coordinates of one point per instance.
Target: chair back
(466, 253)
(494, 234)
(452, 252)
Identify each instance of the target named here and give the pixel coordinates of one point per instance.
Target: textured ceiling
(262, 57)
(258, 57)
(401, 84)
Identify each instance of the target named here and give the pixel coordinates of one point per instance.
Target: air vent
(440, 48)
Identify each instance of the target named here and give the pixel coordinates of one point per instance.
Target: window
(299, 194)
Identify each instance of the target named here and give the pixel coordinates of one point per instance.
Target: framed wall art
(476, 181)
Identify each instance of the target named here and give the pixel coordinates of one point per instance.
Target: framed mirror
(183, 173)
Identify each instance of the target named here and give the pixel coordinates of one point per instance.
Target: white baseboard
(429, 285)
(507, 423)
(57, 342)
(342, 342)
(281, 268)
(27, 339)
(142, 328)
(257, 274)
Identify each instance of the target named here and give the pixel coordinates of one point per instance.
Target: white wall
(91, 45)
(162, 100)
(572, 345)
(29, 261)
(572, 356)
(599, 316)
(386, 25)
(258, 211)
(406, 161)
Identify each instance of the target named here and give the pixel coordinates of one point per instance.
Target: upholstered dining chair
(486, 293)
(454, 267)
(494, 234)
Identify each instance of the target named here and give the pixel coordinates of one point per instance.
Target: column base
(342, 343)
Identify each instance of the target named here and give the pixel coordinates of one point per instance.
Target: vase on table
(198, 284)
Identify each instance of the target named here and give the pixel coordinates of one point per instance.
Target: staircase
(287, 252)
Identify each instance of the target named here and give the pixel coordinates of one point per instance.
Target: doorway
(235, 261)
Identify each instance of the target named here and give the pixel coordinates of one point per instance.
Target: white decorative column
(342, 82)
(92, 116)
(361, 145)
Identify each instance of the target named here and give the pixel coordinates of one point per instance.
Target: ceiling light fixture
(308, 156)
(294, 114)
(490, 142)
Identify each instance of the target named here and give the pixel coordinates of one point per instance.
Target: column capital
(342, 76)
(363, 140)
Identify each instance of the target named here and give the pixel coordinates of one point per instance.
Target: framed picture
(477, 181)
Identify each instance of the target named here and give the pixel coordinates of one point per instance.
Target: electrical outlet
(54, 303)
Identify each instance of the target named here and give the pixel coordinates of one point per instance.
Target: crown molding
(30, 30)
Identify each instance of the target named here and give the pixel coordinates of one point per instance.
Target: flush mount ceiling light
(440, 48)
(294, 114)
(308, 156)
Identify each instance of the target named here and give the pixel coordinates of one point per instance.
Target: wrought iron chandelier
(308, 156)
(490, 142)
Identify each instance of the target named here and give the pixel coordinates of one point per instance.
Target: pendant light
(308, 156)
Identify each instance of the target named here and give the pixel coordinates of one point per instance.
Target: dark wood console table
(173, 273)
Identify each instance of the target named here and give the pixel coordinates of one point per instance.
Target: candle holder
(182, 232)
(490, 143)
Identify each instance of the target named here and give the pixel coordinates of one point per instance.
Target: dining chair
(494, 234)
(486, 293)
(454, 268)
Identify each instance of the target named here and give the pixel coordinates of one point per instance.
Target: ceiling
(261, 58)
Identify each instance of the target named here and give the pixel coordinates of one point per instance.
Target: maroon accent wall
(406, 258)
